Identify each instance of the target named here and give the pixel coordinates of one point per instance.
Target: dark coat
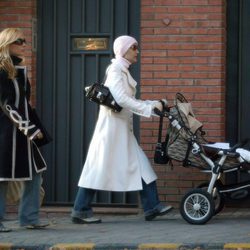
(19, 154)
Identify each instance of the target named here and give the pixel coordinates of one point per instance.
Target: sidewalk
(228, 230)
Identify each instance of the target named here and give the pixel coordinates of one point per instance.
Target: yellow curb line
(5, 246)
(237, 246)
(144, 246)
(73, 246)
(159, 246)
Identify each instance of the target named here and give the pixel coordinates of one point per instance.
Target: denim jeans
(82, 206)
(28, 212)
(149, 199)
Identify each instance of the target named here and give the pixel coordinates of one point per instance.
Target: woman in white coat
(115, 161)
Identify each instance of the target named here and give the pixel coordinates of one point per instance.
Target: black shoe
(161, 212)
(4, 229)
(37, 226)
(90, 220)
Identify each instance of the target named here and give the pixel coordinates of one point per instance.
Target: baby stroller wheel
(219, 199)
(197, 206)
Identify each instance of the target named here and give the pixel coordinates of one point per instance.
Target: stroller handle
(158, 112)
(164, 112)
(164, 104)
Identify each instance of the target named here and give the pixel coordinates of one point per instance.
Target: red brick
(9, 18)
(150, 23)
(195, 2)
(155, 53)
(154, 67)
(166, 31)
(195, 16)
(147, 2)
(166, 2)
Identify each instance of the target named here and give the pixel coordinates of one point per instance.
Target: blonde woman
(20, 158)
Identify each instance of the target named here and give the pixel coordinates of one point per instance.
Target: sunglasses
(20, 41)
(134, 47)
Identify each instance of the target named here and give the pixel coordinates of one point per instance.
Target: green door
(238, 70)
(74, 48)
(237, 82)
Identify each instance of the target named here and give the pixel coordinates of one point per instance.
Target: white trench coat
(115, 161)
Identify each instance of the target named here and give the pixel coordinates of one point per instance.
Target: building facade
(196, 47)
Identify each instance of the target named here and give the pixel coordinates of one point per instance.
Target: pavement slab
(228, 230)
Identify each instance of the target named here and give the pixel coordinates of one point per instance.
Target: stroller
(185, 143)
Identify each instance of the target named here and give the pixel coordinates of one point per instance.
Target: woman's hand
(159, 106)
(39, 136)
(164, 102)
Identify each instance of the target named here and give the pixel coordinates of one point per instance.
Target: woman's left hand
(159, 106)
(39, 135)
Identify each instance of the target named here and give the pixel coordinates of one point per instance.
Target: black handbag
(101, 94)
(160, 155)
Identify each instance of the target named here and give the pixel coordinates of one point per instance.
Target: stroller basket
(179, 143)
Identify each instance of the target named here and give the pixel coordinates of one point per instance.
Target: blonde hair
(7, 37)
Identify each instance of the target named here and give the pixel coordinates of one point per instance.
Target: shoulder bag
(101, 95)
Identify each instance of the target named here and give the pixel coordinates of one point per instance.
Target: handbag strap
(160, 129)
(160, 125)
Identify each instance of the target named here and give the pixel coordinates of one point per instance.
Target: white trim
(24, 68)
(28, 140)
(34, 161)
(27, 117)
(34, 134)
(23, 125)
(14, 129)
(16, 179)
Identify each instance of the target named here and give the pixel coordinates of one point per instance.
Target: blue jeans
(82, 206)
(149, 198)
(30, 201)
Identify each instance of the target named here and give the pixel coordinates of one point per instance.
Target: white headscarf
(121, 46)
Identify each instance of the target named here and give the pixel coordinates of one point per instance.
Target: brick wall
(19, 14)
(183, 50)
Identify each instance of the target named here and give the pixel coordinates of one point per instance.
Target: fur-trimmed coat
(19, 154)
